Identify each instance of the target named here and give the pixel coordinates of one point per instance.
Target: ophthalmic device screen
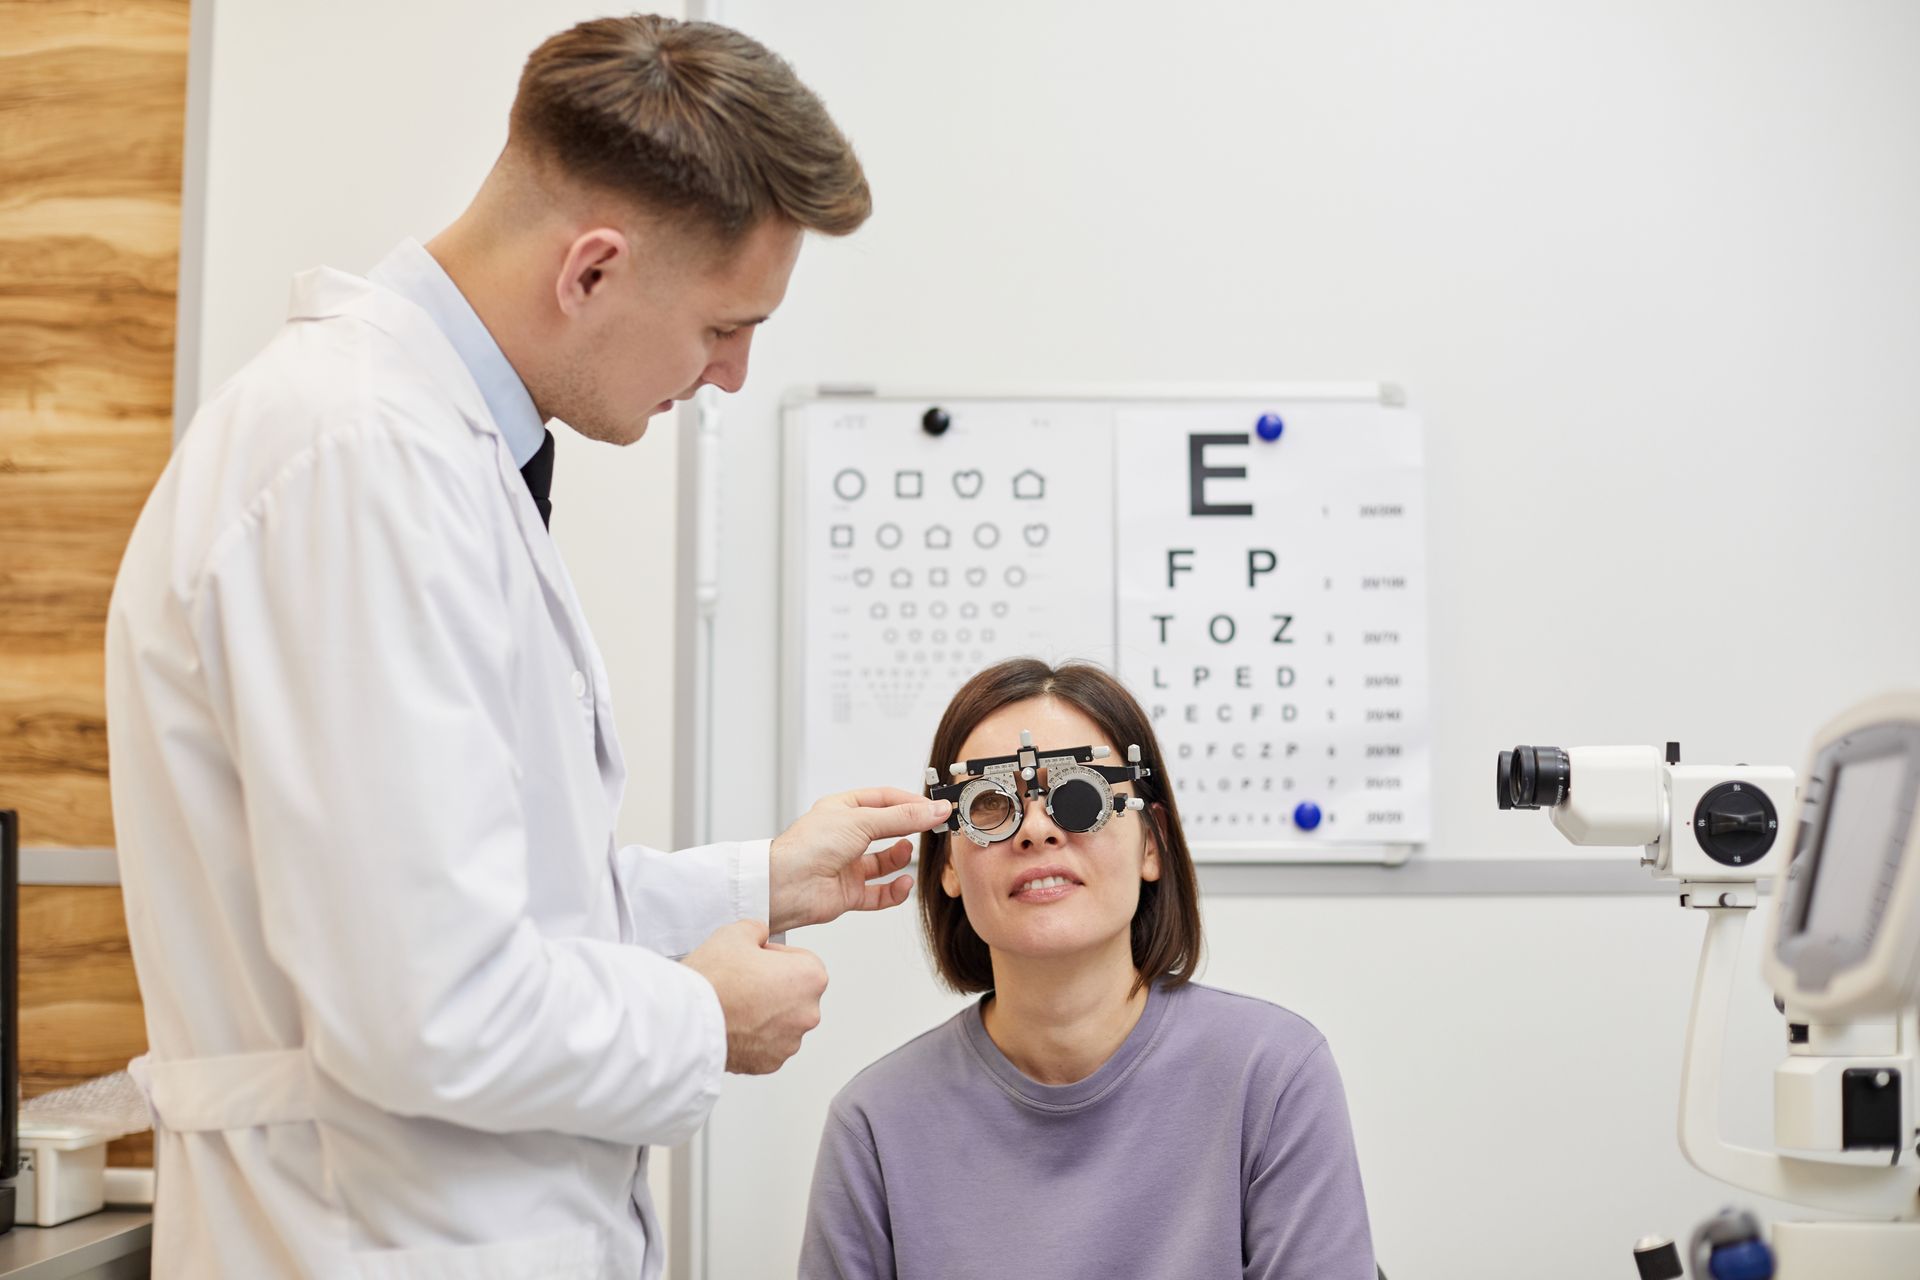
(1847, 895)
(1848, 935)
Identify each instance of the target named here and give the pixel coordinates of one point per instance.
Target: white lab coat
(410, 1008)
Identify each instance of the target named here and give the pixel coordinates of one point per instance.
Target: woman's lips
(1044, 884)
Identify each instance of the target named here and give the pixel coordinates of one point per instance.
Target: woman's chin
(1052, 942)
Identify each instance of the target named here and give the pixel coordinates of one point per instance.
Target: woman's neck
(1059, 1020)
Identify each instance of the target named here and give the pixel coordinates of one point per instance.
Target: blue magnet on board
(1269, 426)
(1744, 1260)
(1306, 815)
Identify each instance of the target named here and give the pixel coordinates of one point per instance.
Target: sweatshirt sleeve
(358, 641)
(1306, 1214)
(849, 1235)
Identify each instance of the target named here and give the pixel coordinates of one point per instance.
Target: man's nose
(725, 375)
(729, 372)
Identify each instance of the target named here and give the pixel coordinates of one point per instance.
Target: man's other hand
(769, 994)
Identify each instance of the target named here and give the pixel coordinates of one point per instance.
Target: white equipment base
(1854, 1250)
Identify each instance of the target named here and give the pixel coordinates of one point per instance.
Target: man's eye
(724, 334)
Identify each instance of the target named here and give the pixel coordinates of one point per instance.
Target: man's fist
(769, 994)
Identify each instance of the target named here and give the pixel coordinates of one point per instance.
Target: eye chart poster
(927, 557)
(1272, 616)
(1253, 569)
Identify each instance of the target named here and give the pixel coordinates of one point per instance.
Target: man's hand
(769, 994)
(820, 864)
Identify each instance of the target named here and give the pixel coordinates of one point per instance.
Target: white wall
(1649, 272)
(332, 132)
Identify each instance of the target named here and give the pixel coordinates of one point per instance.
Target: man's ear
(589, 259)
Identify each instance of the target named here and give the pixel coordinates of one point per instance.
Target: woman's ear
(1156, 816)
(949, 877)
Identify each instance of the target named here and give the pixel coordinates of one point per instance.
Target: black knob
(935, 421)
(1657, 1260)
(1749, 821)
(1735, 823)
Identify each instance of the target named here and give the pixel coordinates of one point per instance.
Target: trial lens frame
(990, 795)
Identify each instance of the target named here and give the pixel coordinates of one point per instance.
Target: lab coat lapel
(565, 605)
(324, 292)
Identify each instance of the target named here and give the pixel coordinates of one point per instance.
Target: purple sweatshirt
(1213, 1144)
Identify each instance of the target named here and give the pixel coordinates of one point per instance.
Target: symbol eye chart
(1252, 566)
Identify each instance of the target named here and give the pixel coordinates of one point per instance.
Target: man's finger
(755, 930)
(891, 859)
(881, 797)
(886, 861)
(906, 819)
(891, 893)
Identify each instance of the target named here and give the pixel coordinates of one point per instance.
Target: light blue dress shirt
(412, 272)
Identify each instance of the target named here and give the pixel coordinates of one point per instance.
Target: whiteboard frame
(793, 557)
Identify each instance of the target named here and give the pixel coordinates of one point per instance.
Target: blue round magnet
(1306, 815)
(1269, 426)
(1744, 1260)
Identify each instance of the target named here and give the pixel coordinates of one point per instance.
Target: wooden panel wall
(92, 112)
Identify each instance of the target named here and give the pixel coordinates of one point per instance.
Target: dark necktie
(538, 473)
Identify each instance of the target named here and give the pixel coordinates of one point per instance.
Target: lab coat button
(579, 684)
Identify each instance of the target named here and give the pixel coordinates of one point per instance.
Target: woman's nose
(1037, 828)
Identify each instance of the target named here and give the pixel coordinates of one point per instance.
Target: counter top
(114, 1244)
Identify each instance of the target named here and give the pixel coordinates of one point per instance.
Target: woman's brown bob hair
(1166, 924)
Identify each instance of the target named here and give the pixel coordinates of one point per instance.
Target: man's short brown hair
(1166, 924)
(689, 119)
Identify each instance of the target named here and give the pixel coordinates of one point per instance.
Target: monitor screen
(1862, 806)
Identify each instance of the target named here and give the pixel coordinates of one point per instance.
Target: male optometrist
(412, 1012)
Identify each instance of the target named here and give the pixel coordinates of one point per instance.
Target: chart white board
(1251, 562)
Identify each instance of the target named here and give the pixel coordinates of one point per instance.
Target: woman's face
(1094, 878)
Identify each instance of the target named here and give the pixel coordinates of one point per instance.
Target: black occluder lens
(1076, 804)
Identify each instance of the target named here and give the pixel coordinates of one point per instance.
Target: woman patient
(1096, 1113)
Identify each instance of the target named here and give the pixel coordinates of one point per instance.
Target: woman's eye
(724, 334)
(990, 810)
